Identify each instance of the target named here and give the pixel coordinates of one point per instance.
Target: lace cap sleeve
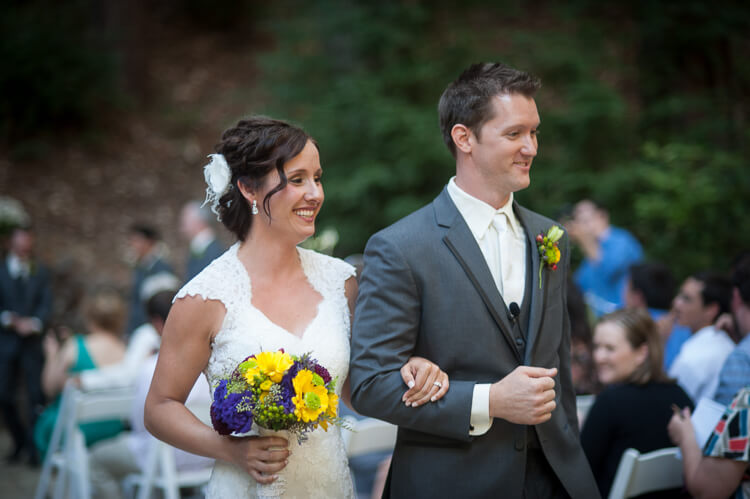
(218, 281)
(327, 270)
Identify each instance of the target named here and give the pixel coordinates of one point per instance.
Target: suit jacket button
(519, 444)
(519, 341)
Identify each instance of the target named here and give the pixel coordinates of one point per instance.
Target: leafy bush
(665, 152)
(56, 70)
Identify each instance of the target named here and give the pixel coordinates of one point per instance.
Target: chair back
(640, 473)
(67, 449)
(160, 471)
(370, 435)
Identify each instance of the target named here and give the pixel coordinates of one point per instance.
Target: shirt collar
(16, 266)
(201, 241)
(478, 214)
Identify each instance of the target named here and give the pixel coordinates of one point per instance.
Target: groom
(459, 282)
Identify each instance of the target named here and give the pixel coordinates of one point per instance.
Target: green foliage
(643, 104)
(627, 116)
(364, 81)
(56, 71)
(687, 201)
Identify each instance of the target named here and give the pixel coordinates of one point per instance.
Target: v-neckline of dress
(248, 283)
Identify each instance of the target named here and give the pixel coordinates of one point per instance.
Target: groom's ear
(461, 135)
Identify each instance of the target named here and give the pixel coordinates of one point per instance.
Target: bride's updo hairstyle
(253, 149)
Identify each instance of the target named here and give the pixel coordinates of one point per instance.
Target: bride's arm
(184, 352)
(426, 381)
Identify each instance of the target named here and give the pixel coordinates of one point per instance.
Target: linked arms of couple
(525, 396)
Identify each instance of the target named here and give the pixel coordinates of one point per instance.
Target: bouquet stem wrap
(277, 488)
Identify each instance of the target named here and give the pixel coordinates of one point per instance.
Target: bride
(265, 293)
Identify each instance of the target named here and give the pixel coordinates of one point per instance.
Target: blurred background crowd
(108, 110)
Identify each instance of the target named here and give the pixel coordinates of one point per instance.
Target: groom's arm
(384, 336)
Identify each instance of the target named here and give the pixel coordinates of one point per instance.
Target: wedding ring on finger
(438, 384)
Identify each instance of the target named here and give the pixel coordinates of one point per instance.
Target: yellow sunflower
(333, 403)
(309, 400)
(273, 365)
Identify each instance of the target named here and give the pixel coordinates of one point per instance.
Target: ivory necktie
(509, 281)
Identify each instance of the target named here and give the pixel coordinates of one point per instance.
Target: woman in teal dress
(102, 346)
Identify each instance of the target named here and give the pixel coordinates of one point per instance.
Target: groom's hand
(525, 396)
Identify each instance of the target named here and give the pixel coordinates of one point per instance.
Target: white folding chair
(67, 449)
(367, 436)
(583, 405)
(370, 435)
(640, 473)
(160, 471)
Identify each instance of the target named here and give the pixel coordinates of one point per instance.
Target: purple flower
(287, 387)
(323, 373)
(225, 416)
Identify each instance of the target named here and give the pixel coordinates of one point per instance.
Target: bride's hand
(426, 382)
(261, 457)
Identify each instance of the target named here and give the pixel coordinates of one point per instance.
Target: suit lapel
(461, 243)
(532, 227)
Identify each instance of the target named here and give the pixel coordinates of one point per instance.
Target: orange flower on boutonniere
(548, 250)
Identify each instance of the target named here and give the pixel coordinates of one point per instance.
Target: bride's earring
(254, 209)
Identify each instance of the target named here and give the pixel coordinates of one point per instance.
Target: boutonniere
(548, 250)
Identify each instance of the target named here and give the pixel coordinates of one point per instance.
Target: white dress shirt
(502, 241)
(200, 242)
(17, 269)
(696, 368)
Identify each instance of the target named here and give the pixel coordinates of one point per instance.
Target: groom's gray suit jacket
(426, 290)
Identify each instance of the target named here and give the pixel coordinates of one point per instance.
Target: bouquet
(276, 391)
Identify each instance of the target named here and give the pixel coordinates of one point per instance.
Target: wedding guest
(702, 298)
(652, 286)
(144, 245)
(114, 459)
(608, 253)
(721, 469)
(635, 406)
(141, 345)
(581, 349)
(735, 372)
(195, 226)
(102, 345)
(25, 305)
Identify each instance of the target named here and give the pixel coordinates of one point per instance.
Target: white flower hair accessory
(218, 177)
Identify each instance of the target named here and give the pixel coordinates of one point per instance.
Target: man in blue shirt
(609, 252)
(652, 286)
(735, 373)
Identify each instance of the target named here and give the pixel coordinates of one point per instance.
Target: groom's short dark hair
(468, 99)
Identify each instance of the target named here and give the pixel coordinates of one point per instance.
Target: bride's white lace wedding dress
(317, 467)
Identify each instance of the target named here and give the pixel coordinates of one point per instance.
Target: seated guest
(142, 344)
(721, 469)
(104, 313)
(735, 373)
(652, 286)
(581, 360)
(635, 406)
(702, 298)
(112, 460)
